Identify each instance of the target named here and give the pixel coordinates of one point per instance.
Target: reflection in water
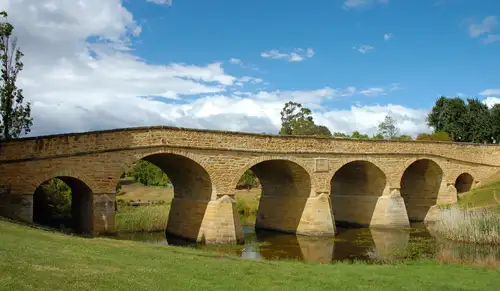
(348, 244)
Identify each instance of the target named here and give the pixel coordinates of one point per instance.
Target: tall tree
(439, 136)
(449, 115)
(388, 128)
(478, 122)
(495, 123)
(357, 134)
(297, 120)
(15, 116)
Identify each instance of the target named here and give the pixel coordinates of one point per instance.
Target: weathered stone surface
(205, 166)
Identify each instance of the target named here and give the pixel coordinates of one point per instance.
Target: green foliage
(248, 180)
(403, 137)
(438, 136)
(356, 134)
(142, 218)
(465, 122)
(53, 200)
(15, 116)
(148, 174)
(387, 128)
(297, 120)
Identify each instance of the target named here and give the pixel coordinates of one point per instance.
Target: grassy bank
(155, 217)
(32, 259)
(487, 196)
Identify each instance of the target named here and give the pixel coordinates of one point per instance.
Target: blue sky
(233, 64)
(430, 53)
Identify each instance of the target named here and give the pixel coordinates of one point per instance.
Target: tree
(495, 123)
(340, 134)
(438, 136)
(387, 128)
(478, 122)
(15, 116)
(449, 115)
(403, 137)
(148, 174)
(297, 120)
(356, 134)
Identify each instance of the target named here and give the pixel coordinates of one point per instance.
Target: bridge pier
(17, 207)
(209, 222)
(390, 211)
(103, 213)
(310, 216)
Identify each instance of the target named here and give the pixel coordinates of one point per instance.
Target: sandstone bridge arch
(303, 178)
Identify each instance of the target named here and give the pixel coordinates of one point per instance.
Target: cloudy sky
(225, 64)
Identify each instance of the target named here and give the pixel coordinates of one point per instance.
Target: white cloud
(235, 61)
(75, 85)
(357, 4)
(490, 92)
(486, 26)
(365, 119)
(373, 91)
(167, 2)
(387, 36)
(491, 38)
(364, 48)
(490, 101)
(297, 55)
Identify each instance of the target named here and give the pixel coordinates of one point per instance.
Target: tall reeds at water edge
(142, 218)
(480, 226)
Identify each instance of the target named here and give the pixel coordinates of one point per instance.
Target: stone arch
(355, 189)
(91, 183)
(189, 179)
(420, 185)
(286, 186)
(81, 204)
(464, 183)
(259, 160)
(189, 175)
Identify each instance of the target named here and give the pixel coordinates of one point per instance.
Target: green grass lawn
(32, 259)
(482, 197)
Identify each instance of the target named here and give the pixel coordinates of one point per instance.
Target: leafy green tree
(495, 123)
(437, 136)
(148, 174)
(387, 128)
(356, 134)
(297, 120)
(450, 115)
(404, 137)
(15, 116)
(322, 130)
(53, 203)
(378, 136)
(248, 180)
(478, 122)
(340, 134)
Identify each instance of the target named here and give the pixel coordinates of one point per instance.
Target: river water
(362, 244)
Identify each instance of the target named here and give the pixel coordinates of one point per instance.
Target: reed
(480, 226)
(142, 218)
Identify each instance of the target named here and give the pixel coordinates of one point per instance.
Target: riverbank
(154, 217)
(32, 259)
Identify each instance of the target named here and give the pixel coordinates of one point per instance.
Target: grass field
(32, 259)
(155, 217)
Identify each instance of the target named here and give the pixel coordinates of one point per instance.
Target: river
(352, 244)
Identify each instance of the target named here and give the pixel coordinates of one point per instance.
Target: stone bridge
(308, 183)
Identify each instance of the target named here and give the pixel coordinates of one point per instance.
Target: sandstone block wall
(358, 178)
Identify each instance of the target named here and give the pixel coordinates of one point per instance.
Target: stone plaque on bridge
(321, 165)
